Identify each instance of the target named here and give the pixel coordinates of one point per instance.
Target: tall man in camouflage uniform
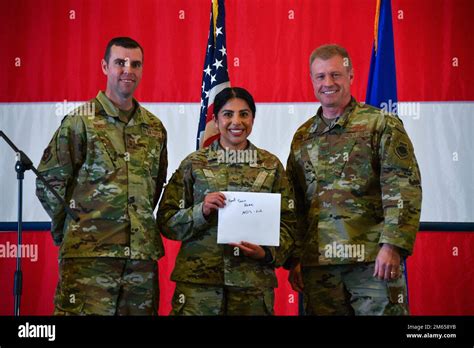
(358, 197)
(109, 164)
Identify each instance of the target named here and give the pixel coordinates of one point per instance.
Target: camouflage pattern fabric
(106, 286)
(111, 174)
(352, 290)
(201, 260)
(196, 299)
(356, 183)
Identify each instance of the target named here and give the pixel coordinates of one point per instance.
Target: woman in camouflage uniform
(218, 279)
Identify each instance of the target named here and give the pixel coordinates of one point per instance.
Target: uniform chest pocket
(309, 163)
(208, 180)
(259, 179)
(358, 160)
(205, 181)
(151, 158)
(155, 165)
(347, 154)
(144, 154)
(101, 160)
(352, 163)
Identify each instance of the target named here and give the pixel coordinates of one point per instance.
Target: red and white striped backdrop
(51, 52)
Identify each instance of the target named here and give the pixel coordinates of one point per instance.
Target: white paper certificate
(251, 217)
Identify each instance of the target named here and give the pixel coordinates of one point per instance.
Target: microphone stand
(24, 163)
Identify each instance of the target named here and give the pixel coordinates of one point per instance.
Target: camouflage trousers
(106, 286)
(200, 299)
(352, 290)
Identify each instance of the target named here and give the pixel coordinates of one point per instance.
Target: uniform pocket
(179, 301)
(149, 156)
(396, 288)
(68, 299)
(205, 181)
(99, 163)
(67, 302)
(264, 181)
(357, 164)
(269, 301)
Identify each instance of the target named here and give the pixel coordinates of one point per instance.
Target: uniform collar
(111, 110)
(215, 147)
(340, 121)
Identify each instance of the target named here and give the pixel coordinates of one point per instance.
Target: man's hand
(212, 202)
(253, 251)
(387, 263)
(296, 278)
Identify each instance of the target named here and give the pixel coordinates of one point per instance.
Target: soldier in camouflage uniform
(217, 279)
(358, 197)
(108, 160)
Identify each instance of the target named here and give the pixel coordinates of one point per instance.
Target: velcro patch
(401, 150)
(47, 155)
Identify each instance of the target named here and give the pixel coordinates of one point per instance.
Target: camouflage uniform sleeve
(60, 162)
(400, 182)
(297, 192)
(163, 169)
(179, 218)
(287, 218)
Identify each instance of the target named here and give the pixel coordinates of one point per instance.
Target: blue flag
(382, 86)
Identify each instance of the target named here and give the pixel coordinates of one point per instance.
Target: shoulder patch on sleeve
(47, 155)
(401, 150)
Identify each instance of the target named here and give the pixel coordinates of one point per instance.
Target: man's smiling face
(332, 81)
(124, 71)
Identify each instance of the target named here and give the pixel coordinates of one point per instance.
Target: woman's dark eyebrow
(227, 110)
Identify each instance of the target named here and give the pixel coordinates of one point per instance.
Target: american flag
(215, 76)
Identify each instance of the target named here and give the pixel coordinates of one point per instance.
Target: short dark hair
(123, 41)
(230, 93)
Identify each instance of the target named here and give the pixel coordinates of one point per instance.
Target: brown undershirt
(327, 121)
(126, 115)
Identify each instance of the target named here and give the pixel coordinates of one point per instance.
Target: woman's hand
(212, 202)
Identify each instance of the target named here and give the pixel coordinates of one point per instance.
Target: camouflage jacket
(111, 174)
(356, 183)
(201, 260)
